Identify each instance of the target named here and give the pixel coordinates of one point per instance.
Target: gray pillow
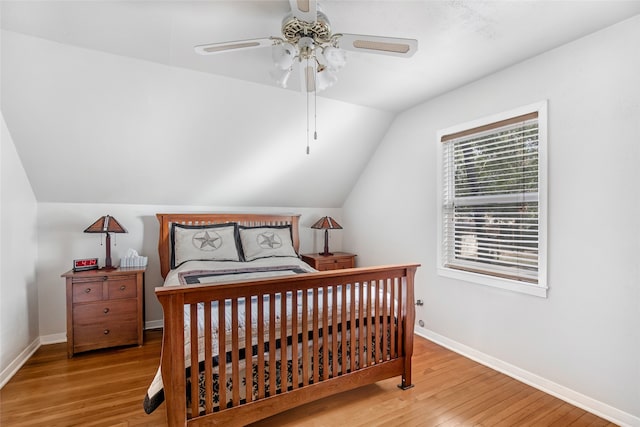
(265, 242)
(213, 242)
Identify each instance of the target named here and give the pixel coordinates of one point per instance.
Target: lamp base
(325, 253)
(109, 268)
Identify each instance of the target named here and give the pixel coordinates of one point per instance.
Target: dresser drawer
(87, 290)
(344, 264)
(122, 287)
(105, 323)
(102, 311)
(335, 264)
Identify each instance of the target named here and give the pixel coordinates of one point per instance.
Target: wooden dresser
(105, 308)
(336, 261)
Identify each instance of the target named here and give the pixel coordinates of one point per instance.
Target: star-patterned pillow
(265, 242)
(215, 242)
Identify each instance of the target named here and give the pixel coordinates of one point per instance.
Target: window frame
(541, 287)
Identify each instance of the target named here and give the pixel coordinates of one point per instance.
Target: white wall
(585, 337)
(18, 250)
(61, 240)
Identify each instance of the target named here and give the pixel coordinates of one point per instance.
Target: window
(492, 219)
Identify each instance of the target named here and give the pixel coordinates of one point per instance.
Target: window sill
(495, 282)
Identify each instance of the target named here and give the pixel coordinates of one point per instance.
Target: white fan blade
(213, 48)
(304, 10)
(375, 44)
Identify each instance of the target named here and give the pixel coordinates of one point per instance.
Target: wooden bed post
(173, 365)
(409, 319)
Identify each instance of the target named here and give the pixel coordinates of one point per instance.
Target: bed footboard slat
(353, 348)
(316, 338)
(295, 381)
(283, 342)
(376, 303)
(344, 331)
(400, 313)
(361, 327)
(305, 339)
(193, 312)
(392, 327)
(248, 334)
(272, 344)
(208, 357)
(325, 334)
(260, 350)
(235, 357)
(334, 330)
(385, 316)
(370, 323)
(222, 351)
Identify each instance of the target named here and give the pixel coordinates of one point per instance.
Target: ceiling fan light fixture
(335, 58)
(280, 76)
(283, 55)
(325, 79)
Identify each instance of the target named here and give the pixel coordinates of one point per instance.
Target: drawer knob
(104, 278)
(106, 332)
(106, 310)
(86, 291)
(123, 287)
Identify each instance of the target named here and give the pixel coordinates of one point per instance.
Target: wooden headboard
(246, 219)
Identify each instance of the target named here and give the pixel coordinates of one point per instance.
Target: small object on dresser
(85, 264)
(132, 259)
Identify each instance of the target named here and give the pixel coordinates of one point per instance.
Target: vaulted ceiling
(107, 102)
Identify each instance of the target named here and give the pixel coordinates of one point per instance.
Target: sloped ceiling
(106, 101)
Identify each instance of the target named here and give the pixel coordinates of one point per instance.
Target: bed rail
(351, 328)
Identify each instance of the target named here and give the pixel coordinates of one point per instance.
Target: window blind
(490, 196)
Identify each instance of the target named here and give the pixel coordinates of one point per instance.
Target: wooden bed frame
(374, 363)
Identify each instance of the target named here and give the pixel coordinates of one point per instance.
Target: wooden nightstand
(336, 261)
(105, 308)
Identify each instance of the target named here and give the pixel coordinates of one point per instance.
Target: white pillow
(265, 242)
(216, 242)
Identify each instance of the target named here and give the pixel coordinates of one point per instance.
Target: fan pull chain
(307, 92)
(315, 107)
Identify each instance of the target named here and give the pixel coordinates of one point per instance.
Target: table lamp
(107, 225)
(326, 223)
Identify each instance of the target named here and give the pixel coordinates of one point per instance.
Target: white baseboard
(17, 363)
(53, 338)
(154, 324)
(561, 392)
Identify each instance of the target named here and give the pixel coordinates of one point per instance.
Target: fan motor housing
(294, 29)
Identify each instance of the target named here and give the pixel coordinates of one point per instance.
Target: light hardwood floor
(106, 388)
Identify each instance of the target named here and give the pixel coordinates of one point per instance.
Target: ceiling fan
(307, 43)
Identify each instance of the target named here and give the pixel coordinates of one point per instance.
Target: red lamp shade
(326, 223)
(107, 225)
